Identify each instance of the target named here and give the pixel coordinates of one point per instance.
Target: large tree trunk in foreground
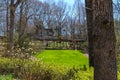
(89, 15)
(104, 41)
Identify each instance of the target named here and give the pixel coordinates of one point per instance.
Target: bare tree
(13, 5)
(20, 27)
(89, 15)
(80, 18)
(2, 18)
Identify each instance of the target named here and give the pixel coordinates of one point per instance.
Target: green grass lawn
(67, 58)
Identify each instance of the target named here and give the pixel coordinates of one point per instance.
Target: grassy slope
(63, 57)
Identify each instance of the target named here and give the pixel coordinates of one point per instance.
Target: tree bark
(7, 19)
(11, 29)
(89, 15)
(20, 29)
(13, 7)
(104, 41)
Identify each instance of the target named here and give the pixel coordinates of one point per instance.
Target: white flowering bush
(21, 52)
(22, 49)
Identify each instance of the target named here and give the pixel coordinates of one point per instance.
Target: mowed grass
(67, 58)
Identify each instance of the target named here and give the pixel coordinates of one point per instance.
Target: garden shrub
(37, 70)
(17, 52)
(84, 46)
(6, 77)
(25, 69)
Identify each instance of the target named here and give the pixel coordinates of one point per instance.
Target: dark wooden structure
(52, 38)
(55, 43)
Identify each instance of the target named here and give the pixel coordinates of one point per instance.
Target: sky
(70, 2)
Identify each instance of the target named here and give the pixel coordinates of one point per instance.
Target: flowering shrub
(25, 69)
(20, 53)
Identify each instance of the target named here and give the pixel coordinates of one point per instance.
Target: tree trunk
(13, 6)
(89, 15)
(7, 20)
(11, 30)
(20, 29)
(104, 41)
